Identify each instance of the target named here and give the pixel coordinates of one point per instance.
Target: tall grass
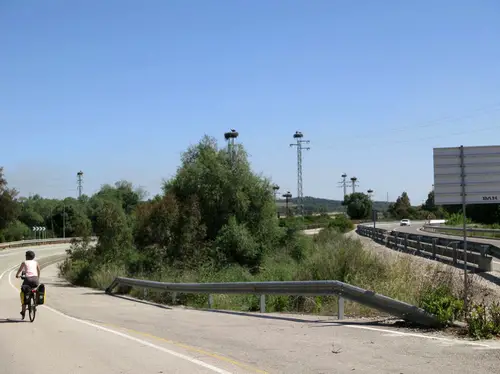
(327, 256)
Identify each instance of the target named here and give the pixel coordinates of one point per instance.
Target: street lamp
(287, 197)
(275, 190)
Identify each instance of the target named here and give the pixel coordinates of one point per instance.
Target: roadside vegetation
(216, 221)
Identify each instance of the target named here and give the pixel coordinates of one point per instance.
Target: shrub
(16, 230)
(484, 321)
(441, 302)
(235, 244)
(341, 223)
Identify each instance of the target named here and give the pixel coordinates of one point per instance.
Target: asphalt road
(416, 225)
(85, 331)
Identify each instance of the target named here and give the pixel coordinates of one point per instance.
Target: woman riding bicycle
(31, 268)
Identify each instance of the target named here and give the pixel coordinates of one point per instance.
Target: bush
(441, 302)
(484, 321)
(341, 223)
(15, 231)
(457, 219)
(236, 245)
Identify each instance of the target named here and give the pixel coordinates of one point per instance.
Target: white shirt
(30, 268)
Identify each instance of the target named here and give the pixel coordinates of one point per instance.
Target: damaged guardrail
(300, 288)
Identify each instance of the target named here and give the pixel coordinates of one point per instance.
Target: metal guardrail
(436, 248)
(309, 288)
(25, 243)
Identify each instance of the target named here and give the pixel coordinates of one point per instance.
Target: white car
(405, 222)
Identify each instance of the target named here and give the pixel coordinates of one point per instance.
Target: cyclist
(31, 269)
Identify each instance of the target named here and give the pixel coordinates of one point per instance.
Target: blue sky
(120, 88)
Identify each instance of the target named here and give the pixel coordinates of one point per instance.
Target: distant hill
(318, 204)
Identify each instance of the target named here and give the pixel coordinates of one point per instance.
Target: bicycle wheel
(32, 308)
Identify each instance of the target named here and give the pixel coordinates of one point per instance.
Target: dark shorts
(29, 284)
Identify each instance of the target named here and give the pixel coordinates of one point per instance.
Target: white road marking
(392, 333)
(129, 337)
(9, 269)
(485, 345)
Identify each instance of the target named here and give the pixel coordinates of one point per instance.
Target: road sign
(466, 175)
(478, 168)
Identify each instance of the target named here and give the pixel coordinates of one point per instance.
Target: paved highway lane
(85, 331)
(415, 225)
(415, 229)
(58, 344)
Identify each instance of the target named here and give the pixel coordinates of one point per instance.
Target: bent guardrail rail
(433, 247)
(305, 288)
(30, 242)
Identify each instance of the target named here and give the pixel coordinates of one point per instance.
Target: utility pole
(300, 195)
(354, 184)
(275, 191)
(79, 179)
(230, 137)
(287, 197)
(64, 219)
(343, 184)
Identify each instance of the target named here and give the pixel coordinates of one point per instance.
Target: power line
(471, 131)
(451, 120)
(377, 143)
(432, 123)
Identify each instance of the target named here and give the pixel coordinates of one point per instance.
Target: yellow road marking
(185, 346)
(192, 349)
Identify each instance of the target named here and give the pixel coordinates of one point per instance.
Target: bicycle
(31, 300)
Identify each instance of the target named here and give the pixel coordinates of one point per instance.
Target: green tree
(359, 205)
(9, 207)
(156, 223)
(115, 235)
(16, 230)
(429, 204)
(70, 219)
(211, 188)
(402, 207)
(124, 193)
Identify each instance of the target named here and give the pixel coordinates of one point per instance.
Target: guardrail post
(485, 262)
(210, 301)
(174, 297)
(454, 247)
(434, 248)
(484, 249)
(145, 293)
(340, 313)
(419, 244)
(406, 242)
(262, 303)
(113, 284)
